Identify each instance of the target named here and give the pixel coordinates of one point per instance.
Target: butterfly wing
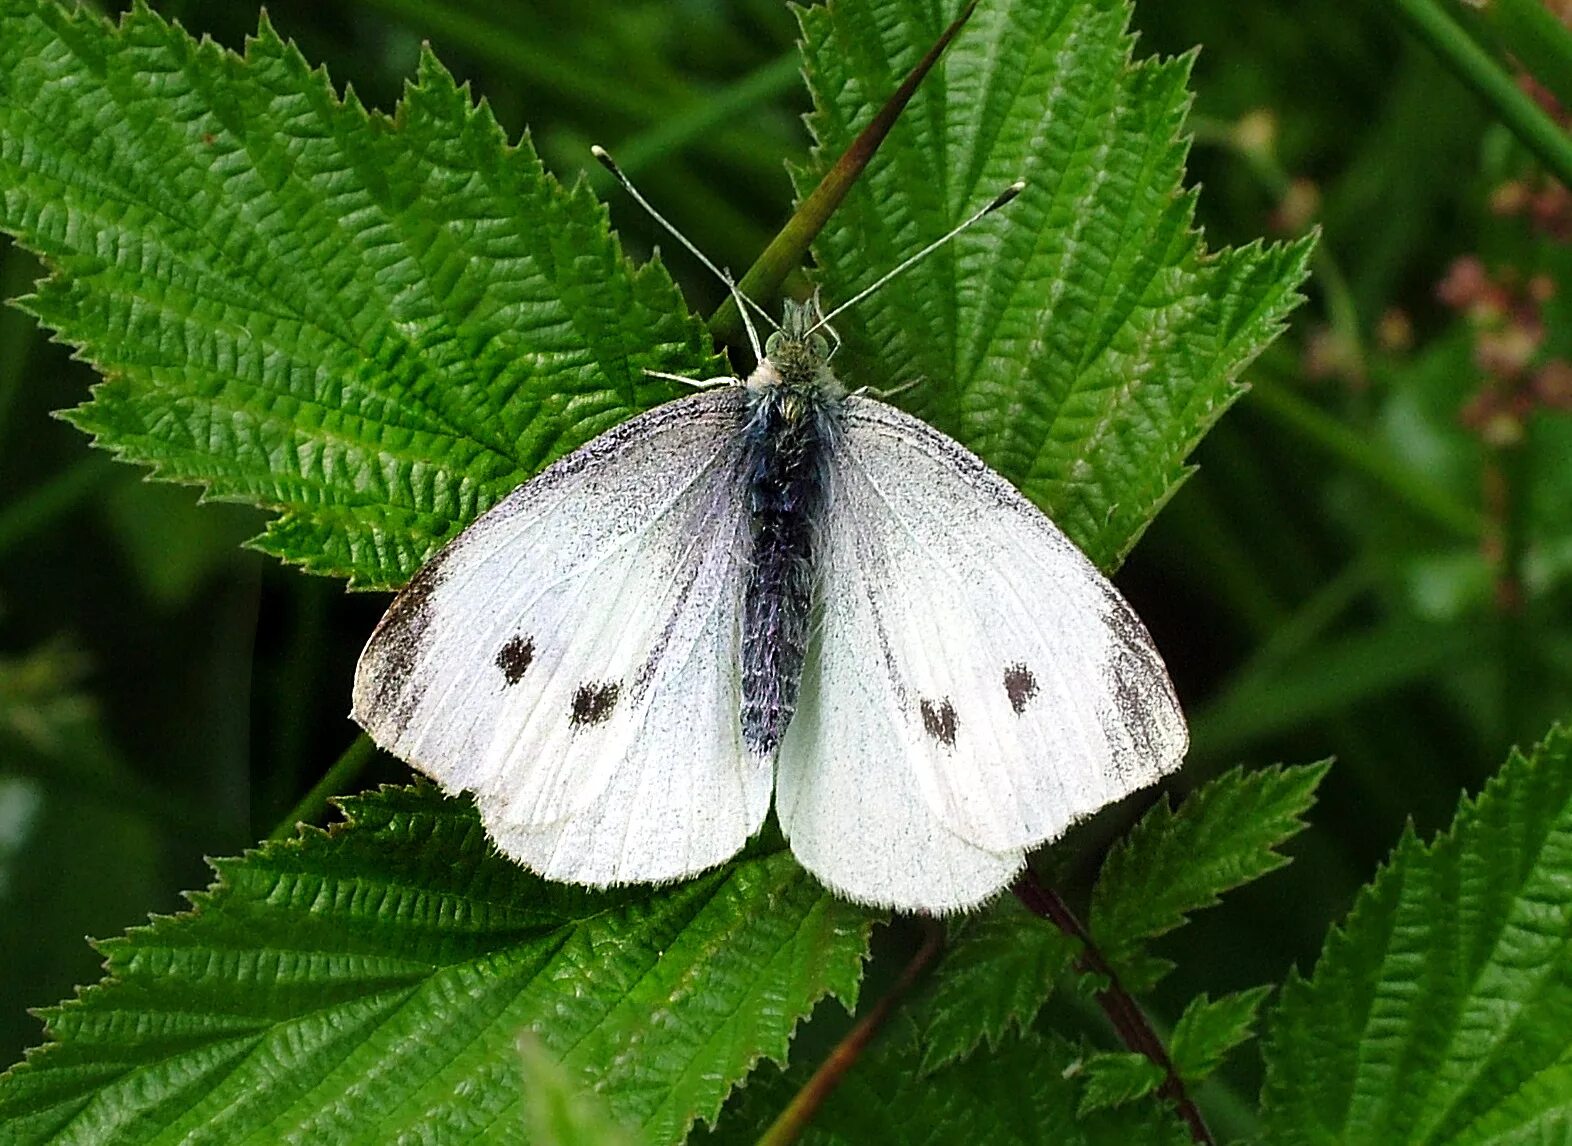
(571, 657)
(976, 685)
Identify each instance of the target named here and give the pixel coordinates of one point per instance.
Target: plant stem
(18, 270)
(787, 249)
(1314, 425)
(1540, 42)
(1490, 81)
(1342, 310)
(683, 127)
(44, 504)
(1507, 476)
(1134, 1028)
(333, 782)
(788, 1127)
(538, 64)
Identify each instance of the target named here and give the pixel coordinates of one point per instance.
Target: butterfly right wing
(572, 657)
(853, 809)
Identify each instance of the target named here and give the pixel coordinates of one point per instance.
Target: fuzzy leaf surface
(1441, 1011)
(375, 326)
(373, 981)
(1081, 340)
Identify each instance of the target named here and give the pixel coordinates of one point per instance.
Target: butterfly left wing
(1015, 690)
(571, 657)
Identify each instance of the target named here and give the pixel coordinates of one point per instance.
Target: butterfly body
(794, 406)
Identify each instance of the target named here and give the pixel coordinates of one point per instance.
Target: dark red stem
(1134, 1028)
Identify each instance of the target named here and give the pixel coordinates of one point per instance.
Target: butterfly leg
(696, 383)
(884, 395)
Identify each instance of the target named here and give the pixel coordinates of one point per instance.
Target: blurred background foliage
(1374, 560)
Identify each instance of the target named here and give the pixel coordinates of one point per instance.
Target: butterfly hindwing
(1016, 690)
(570, 658)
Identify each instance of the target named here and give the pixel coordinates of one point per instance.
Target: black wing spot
(938, 721)
(593, 704)
(1020, 686)
(514, 658)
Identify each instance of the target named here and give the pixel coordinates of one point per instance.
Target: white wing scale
(570, 658)
(975, 685)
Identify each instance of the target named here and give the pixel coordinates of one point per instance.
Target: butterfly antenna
(742, 300)
(998, 201)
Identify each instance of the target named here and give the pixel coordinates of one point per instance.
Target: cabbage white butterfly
(772, 586)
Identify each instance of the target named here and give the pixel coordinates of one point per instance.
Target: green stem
(45, 504)
(1310, 423)
(549, 69)
(505, 48)
(1540, 42)
(1490, 81)
(18, 332)
(787, 249)
(333, 782)
(677, 131)
(1311, 621)
(1508, 471)
(92, 773)
(1341, 309)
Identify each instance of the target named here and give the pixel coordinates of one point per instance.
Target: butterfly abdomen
(784, 459)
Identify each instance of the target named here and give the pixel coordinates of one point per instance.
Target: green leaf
(997, 973)
(1080, 340)
(1115, 1078)
(1025, 1092)
(1442, 1010)
(376, 977)
(375, 326)
(1172, 863)
(560, 1112)
(1208, 1030)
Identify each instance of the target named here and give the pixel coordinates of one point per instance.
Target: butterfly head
(797, 356)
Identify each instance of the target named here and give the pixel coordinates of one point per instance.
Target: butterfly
(773, 587)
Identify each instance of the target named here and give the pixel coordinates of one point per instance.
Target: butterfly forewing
(1018, 690)
(571, 657)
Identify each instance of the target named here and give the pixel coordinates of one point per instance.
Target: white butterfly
(772, 586)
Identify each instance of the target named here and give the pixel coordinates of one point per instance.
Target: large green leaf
(1442, 1010)
(1080, 340)
(375, 326)
(372, 981)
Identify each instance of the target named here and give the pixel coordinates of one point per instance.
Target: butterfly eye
(772, 345)
(821, 346)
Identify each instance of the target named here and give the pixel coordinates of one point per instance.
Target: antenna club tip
(1007, 194)
(603, 156)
